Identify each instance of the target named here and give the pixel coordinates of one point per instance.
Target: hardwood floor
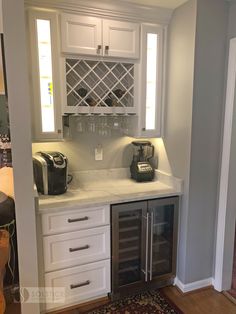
(201, 302)
(207, 301)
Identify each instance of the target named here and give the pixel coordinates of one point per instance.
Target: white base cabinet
(77, 284)
(76, 254)
(72, 220)
(76, 248)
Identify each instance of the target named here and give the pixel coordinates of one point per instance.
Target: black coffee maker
(140, 168)
(50, 172)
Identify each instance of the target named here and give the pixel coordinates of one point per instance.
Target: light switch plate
(98, 153)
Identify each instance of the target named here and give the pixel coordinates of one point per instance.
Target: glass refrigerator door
(162, 237)
(128, 244)
(130, 224)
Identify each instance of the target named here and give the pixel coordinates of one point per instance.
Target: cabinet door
(129, 258)
(45, 73)
(163, 236)
(151, 81)
(120, 39)
(81, 34)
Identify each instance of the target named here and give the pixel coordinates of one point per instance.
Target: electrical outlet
(98, 152)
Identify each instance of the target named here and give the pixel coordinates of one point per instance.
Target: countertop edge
(75, 205)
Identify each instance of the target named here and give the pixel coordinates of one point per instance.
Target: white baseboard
(193, 285)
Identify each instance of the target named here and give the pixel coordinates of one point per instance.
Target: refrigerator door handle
(151, 245)
(145, 271)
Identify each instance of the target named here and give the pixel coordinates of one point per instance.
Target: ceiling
(171, 4)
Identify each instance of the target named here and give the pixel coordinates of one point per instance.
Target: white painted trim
(224, 176)
(19, 110)
(193, 285)
(108, 9)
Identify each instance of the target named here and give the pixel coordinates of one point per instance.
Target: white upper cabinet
(98, 37)
(81, 34)
(120, 39)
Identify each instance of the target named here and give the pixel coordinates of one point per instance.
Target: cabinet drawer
(81, 283)
(76, 248)
(75, 220)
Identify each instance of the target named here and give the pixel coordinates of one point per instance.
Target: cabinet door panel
(128, 238)
(163, 236)
(81, 283)
(81, 34)
(120, 39)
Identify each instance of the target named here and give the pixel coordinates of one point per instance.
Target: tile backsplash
(117, 152)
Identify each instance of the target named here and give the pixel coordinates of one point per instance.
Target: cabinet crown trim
(122, 11)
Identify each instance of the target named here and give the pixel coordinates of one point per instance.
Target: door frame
(223, 264)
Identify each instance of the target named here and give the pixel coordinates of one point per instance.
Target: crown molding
(107, 9)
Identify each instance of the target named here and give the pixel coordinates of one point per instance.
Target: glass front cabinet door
(144, 237)
(163, 235)
(44, 75)
(151, 72)
(128, 248)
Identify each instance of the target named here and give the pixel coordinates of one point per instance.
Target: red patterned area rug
(149, 302)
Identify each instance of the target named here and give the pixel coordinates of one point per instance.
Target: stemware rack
(99, 87)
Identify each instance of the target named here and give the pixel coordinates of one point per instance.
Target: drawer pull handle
(86, 283)
(79, 248)
(78, 219)
(106, 49)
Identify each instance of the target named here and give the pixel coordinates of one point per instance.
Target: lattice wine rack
(99, 86)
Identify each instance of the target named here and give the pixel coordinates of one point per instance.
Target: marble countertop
(100, 187)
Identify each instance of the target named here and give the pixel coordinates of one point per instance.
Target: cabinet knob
(106, 49)
(99, 48)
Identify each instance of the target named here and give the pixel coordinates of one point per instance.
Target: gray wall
(231, 201)
(178, 122)
(117, 151)
(195, 91)
(208, 104)
(232, 21)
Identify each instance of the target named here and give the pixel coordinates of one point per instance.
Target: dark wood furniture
(4, 254)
